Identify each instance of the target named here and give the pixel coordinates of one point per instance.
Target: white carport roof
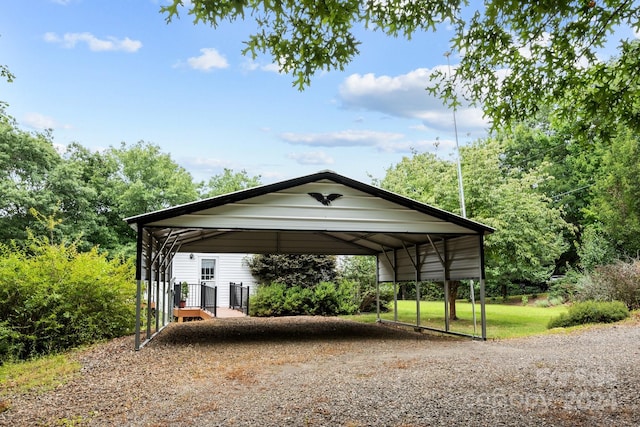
(284, 218)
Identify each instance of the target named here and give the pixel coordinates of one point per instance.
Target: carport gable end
(288, 206)
(284, 218)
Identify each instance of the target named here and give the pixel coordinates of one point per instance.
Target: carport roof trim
(188, 208)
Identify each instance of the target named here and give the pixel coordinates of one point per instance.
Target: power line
(559, 195)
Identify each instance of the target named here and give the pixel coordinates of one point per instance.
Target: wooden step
(181, 313)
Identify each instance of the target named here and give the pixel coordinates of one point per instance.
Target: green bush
(619, 281)
(544, 303)
(557, 300)
(53, 298)
(348, 297)
(566, 287)
(268, 301)
(298, 300)
(590, 312)
(326, 299)
(361, 272)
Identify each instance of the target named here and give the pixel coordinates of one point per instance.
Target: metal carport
(321, 213)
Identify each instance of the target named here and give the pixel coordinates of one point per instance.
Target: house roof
(321, 213)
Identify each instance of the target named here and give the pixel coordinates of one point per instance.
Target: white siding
(462, 255)
(229, 268)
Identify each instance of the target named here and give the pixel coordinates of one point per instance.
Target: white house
(215, 270)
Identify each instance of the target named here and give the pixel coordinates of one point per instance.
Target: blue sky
(102, 72)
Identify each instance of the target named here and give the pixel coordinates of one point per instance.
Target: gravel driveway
(313, 371)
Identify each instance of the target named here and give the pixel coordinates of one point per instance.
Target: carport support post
(447, 274)
(446, 306)
(483, 314)
(395, 285)
(157, 297)
(164, 291)
(138, 284)
(149, 282)
(377, 292)
(417, 267)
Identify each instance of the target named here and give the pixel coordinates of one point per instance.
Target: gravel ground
(311, 371)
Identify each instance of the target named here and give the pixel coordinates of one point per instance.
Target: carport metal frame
(412, 241)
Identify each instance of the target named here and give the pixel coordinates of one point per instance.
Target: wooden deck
(181, 313)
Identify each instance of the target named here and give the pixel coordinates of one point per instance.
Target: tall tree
(516, 55)
(305, 271)
(83, 183)
(27, 161)
(229, 182)
(616, 204)
(570, 163)
(529, 231)
(146, 180)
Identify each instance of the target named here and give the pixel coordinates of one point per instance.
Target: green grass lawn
(503, 321)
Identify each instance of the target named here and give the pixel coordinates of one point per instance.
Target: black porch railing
(239, 297)
(202, 296)
(209, 299)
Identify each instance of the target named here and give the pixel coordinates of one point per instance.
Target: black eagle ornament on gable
(325, 200)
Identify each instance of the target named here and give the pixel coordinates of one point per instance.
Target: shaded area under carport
(284, 329)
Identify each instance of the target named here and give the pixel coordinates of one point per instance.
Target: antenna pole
(463, 210)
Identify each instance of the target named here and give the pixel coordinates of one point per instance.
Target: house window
(208, 270)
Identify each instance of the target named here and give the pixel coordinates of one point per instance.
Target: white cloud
(250, 65)
(70, 40)
(420, 146)
(203, 168)
(312, 158)
(543, 40)
(386, 142)
(209, 59)
(41, 122)
(346, 138)
(406, 96)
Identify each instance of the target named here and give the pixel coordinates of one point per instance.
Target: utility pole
(463, 209)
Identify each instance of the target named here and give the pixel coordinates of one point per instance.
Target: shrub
(361, 272)
(596, 247)
(590, 312)
(566, 287)
(619, 281)
(557, 300)
(268, 300)
(298, 300)
(348, 299)
(326, 299)
(53, 298)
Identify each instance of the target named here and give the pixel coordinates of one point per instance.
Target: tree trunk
(453, 295)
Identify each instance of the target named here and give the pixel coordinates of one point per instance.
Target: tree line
(557, 201)
(90, 192)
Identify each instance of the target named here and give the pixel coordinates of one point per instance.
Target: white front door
(208, 271)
